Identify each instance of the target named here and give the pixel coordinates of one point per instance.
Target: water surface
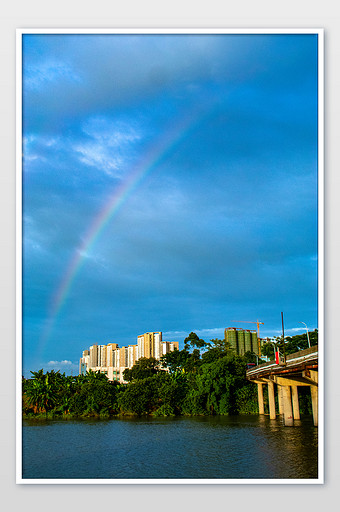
(221, 447)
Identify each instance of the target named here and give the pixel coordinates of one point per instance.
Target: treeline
(292, 343)
(203, 378)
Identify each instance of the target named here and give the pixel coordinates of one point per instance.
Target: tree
(175, 360)
(41, 391)
(94, 396)
(213, 389)
(250, 357)
(292, 344)
(300, 341)
(222, 345)
(194, 341)
(172, 389)
(139, 397)
(65, 392)
(193, 362)
(143, 368)
(246, 400)
(92, 376)
(267, 350)
(217, 348)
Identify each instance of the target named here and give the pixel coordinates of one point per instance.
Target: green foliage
(175, 361)
(164, 410)
(160, 394)
(292, 344)
(94, 398)
(140, 397)
(246, 401)
(41, 392)
(213, 389)
(194, 341)
(300, 341)
(183, 382)
(215, 383)
(213, 354)
(250, 357)
(143, 368)
(194, 403)
(267, 350)
(56, 394)
(222, 345)
(172, 390)
(193, 362)
(305, 400)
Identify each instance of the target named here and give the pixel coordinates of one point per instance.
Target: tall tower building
(242, 340)
(174, 345)
(132, 355)
(93, 356)
(247, 341)
(140, 344)
(102, 354)
(230, 335)
(110, 348)
(84, 362)
(149, 345)
(254, 343)
(123, 357)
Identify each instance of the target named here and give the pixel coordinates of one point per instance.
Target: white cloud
(63, 366)
(96, 155)
(62, 363)
(49, 71)
(109, 144)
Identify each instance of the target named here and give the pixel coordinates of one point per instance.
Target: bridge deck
(303, 360)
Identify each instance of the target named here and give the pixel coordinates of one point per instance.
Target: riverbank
(183, 384)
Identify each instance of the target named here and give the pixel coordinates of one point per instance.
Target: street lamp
(307, 333)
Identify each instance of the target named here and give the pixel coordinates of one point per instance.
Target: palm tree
(41, 391)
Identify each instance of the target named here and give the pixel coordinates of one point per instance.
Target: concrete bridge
(299, 369)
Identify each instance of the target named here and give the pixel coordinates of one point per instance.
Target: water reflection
(225, 447)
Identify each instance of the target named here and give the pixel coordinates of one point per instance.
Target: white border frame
(19, 33)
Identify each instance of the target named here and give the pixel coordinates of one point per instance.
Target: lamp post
(283, 339)
(307, 333)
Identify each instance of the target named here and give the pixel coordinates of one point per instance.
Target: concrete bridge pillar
(260, 397)
(314, 394)
(271, 399)
(295, 399)
(287, 406)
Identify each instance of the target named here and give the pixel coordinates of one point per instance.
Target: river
(213, 447)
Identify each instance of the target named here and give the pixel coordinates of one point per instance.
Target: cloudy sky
(169, 184)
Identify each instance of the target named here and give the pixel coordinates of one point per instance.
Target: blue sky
(202, 151)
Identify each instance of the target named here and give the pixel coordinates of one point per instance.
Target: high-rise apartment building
(93, 356)
(132, 355)
(110, 349)
(168, 346)
(102, 353)
(84, 362)
(242, 340)
(174, 345)
(149, 344)
(112, 360)
(123, 357)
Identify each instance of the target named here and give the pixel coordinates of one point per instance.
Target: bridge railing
(296, 355)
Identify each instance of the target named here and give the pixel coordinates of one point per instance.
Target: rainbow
(151, 160)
